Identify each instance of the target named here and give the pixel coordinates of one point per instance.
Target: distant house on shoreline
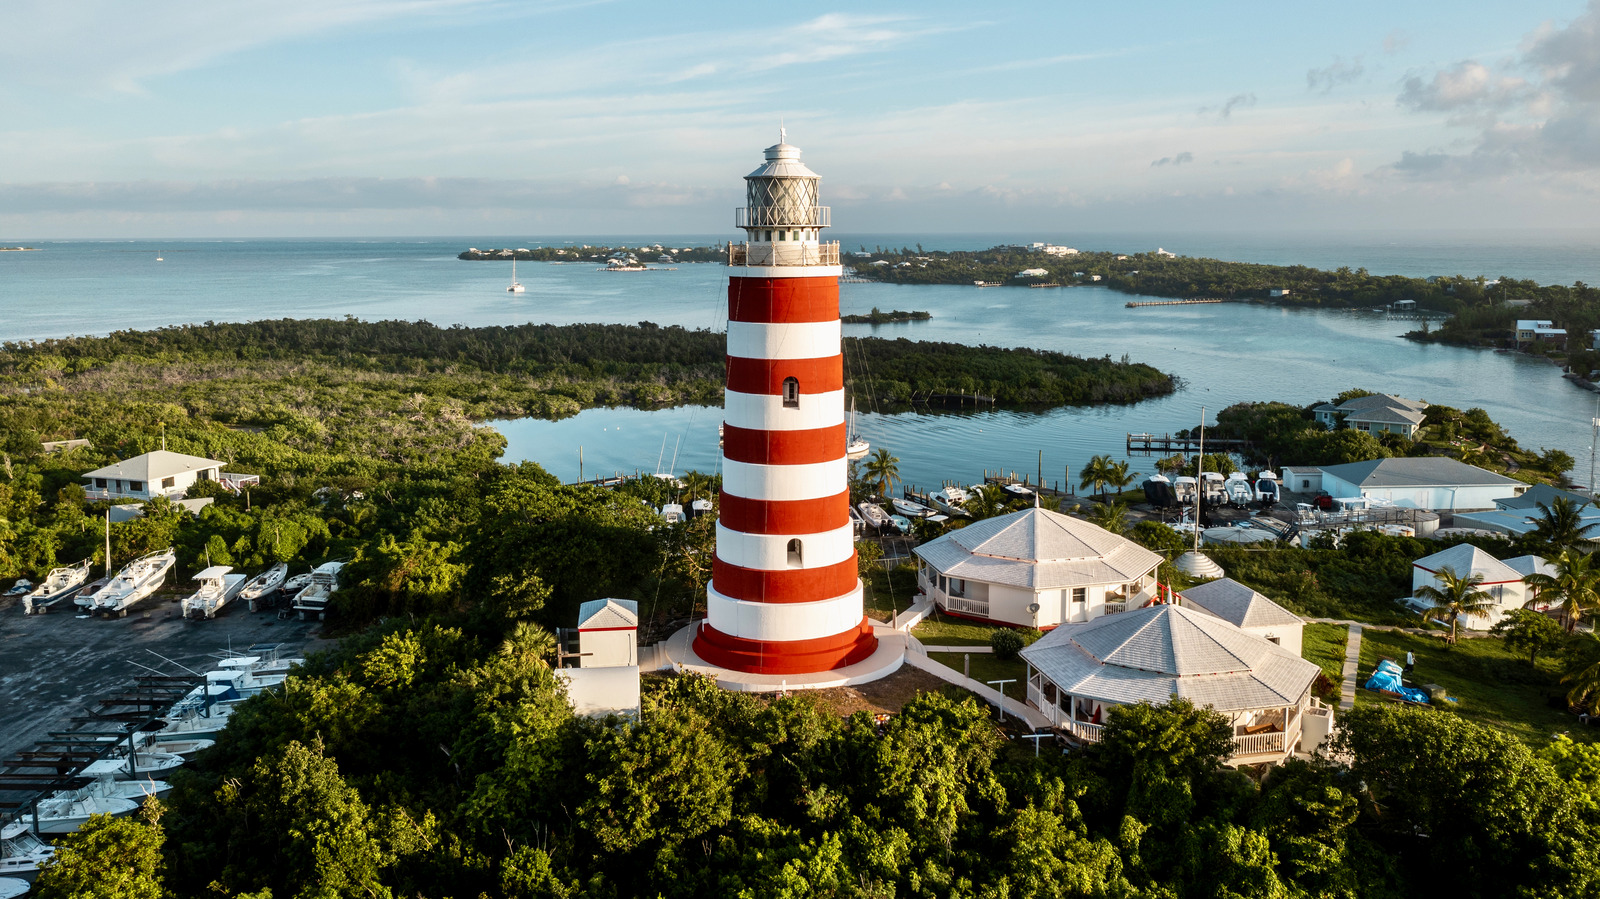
(159, 473)
(1376, 414)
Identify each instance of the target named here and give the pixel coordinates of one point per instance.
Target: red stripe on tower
(784, 597)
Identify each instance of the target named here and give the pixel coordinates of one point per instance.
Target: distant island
(587, 253)
(19, 249)
(875, 317)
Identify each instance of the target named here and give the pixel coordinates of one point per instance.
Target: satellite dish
(1033, 607)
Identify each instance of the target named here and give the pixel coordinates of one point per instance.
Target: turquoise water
(1224, 353)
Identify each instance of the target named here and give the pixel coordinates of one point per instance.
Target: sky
(548, 117)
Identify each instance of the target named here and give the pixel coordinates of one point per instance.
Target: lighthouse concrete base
(886, 660)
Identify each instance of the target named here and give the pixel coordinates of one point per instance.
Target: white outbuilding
(1501, 581)
(158, 473)
(1077, 672)
(1420, 482)
(606, 679)
(1035, 568)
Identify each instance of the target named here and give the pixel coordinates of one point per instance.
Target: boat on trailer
(265, 584)
(59, 584)
(138, 579)
(218, 585)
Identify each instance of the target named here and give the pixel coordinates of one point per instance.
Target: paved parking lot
(52, 666)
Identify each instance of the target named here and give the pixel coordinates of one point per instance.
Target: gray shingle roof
(1526, 565)
(1419, 471)
(1465, 559)
(152, 466)
(1153, 653)
(1388, 415)
(1238, 605)
(1038, 549)
(1540, 493)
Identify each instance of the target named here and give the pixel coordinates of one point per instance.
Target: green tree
(1528, 631)
(1560, 525)
(1112, 516)
(1096, 474)
(1454, 597)
(1575, 586)
(113, 858)
(882, 471)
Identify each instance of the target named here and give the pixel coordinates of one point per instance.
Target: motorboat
(1158, 492)
(1018, 490)
(85, 597)
(22, 587)
(68, 810)
(911, 508)
(901, 523)
(135, 581)
(857, 523)
(246, 676)
(22, 853)
(951, 500)
(324, 582)
(59, 584)
(264, 584)
(145, 763)
(184, 749)
(218, 585)
(874, 515)
(1267, 487)
(701, 507)
(1184, 489)
(293, 586)
(13, 887)
(672, 513)
(107, 783)
(1212, 489)
(1240, 492)
(516, 286)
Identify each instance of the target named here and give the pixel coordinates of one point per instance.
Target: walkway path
(917, 658)
(1352, 655)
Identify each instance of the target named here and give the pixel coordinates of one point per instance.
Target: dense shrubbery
(437, 761)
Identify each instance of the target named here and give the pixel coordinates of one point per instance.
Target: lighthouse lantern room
(785, 597)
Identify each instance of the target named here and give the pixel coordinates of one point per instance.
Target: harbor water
(1224, 353)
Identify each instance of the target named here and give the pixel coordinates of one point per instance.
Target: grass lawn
(888, 593)
(951, 632)
(1493, 687)
(985, 668)
(1324, 644)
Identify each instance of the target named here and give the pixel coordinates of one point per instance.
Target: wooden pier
(1167, 443)
(1174, 303)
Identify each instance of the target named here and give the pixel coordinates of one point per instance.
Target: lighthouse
(785, 597)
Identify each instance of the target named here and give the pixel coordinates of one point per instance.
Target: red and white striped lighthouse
(784, 595)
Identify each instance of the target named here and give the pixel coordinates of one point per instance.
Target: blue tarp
(1387, 677)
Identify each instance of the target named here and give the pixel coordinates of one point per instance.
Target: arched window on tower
(794, 553)
(791, 393)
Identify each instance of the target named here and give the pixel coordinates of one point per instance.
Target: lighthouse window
(794, 553)
(769, 237)
(791, 393)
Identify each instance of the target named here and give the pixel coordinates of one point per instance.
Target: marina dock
(1196, 302)
(1167, 443)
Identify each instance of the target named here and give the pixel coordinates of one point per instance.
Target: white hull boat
(911, 508)
(217, 586)
(138, 579)
(263, 585)
(1240, 492)
(1184, 489)
(12, 887)
(1017, 490)
(516, 286)
(901, 523)
(951, 501)
(672, 513)
(874, 515)
(147, 764)
(21, 853)
(67, 811)
(857, 448)
(324, 582)
(59, 584)
(85, 597)
(184, 749)
(857, 523)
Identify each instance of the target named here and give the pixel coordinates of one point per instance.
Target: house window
(791, 393)
(100, 482)
(205, 474)
(794, 553)
(168, 483)
(1080, 594)
(135, 486)
(958, 587)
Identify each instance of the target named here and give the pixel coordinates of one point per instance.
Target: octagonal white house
(1035, 568)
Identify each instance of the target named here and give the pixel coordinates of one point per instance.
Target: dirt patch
(888, 695)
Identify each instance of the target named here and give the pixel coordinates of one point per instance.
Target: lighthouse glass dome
(782, 193)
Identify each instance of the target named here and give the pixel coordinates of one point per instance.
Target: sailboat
(516, 286)
(855, 447)
(158, 256)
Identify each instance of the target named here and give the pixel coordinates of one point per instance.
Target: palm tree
(1575, 585)
(696, 484)
(883, 471)
(1120, 477)
(1094, 474)
(985, 502)
(528, 643)
(1458, 596)
(1561, 524)
(1583, 672)
(1111, 516)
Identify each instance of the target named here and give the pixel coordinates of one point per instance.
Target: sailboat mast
(1200, 480)
(108, 543)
